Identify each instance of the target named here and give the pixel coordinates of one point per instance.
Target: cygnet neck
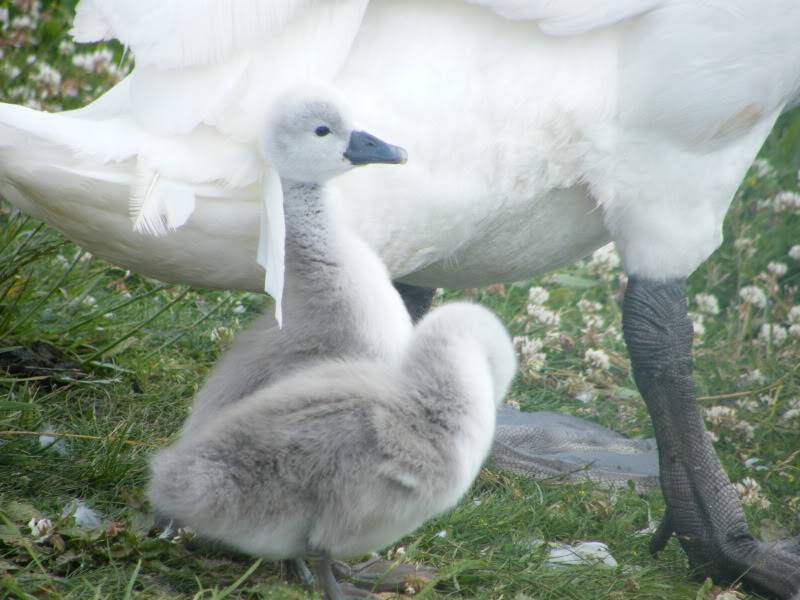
(311, 236)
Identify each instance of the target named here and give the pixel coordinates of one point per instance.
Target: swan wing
(570, 17)
(180, 33)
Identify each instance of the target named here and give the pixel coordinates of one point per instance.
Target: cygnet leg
(418, 300)
(326, 581)
(703, 508)
(299, 568)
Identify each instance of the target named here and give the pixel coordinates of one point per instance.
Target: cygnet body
(338, 298)
(345, 457)
(378, 431)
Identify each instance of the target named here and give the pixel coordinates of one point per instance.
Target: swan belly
(436, 241)
(517, 242)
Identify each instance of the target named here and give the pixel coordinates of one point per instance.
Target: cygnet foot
(380, 575)
(331, 589)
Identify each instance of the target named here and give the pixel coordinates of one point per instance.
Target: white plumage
(537, 130)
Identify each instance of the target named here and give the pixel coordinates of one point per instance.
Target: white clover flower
(762, 167)
(12, 72)
(754, 295)
(718, 415)
(598, 359)
(538, 295)
(794, 252)
(604, 259)
(66, 47)
(754, 376)
(764, 204)
(220, 333)
(99, 61)
(587, 306)
(786, 201)
(794, 315)
(47, 75)
(790, 414)
(794, 410)
(751, 405)
(745, 246)
(767, 399)
(543, 315)
(778, 269)
(698, 327)
(586, 395)
(794, 331)
(40, 528)
(777, 334)
(744, 429)
(595, 322)
(183, 535)
(707, 303)
(749, 491)
(529, 351)
(22, 22)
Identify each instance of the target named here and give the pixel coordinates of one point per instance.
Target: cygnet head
(310, 138)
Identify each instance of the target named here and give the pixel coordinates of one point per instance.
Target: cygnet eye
(322, 130)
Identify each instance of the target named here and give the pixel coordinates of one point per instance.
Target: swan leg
(703, 508)
(418, 300)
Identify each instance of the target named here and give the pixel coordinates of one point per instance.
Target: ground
(117, 358)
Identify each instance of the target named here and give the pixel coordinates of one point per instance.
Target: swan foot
(703, 508)
(550, 444)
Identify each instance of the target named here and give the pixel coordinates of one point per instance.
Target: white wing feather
(570, 17)
(176, 33)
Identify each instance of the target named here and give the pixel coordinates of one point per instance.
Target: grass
(120, 357)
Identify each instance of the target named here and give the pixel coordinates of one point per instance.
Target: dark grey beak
(365, 149)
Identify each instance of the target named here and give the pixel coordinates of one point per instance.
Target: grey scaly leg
(418, 300)
(703, 508)
(298, 568)
(326, 581)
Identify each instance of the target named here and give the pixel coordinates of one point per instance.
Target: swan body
(339, 299)
(538, 131)
(345, 457)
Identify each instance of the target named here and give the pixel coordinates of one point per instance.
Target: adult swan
(520, 117)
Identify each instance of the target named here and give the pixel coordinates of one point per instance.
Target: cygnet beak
(365, 149)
